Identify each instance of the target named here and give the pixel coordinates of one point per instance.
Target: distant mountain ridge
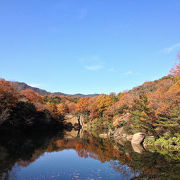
(19, 86)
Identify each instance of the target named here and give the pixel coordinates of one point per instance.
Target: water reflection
(47, 155)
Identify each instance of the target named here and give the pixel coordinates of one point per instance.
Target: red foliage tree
(35, 98)
(32, 96)
(8, 99)
(72, 107)
(176, 70)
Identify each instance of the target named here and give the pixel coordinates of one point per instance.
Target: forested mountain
(19, 86)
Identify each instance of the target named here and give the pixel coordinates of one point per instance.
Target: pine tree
(142, 116)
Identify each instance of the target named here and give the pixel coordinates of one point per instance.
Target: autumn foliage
(83, 104)
(176, 70)
(8, 100)
(32, 96)
(62, 109)
(146, 104)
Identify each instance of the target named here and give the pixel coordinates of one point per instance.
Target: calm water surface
(73, 155)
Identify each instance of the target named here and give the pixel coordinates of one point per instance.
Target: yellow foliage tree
(83, 104)
(102, 103)
(62, 109)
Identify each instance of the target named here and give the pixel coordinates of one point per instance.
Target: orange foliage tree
(126, 99)
(102, 103)
(72, 107)
(62, 109)
(52, 109)
(176, 70)
(32, 96)
(35, 98)
(83, 104)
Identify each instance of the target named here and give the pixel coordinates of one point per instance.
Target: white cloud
(128, 73)
(92, 63)
(93, 67)
(172, 48)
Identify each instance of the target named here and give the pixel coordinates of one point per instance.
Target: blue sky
(88, 46)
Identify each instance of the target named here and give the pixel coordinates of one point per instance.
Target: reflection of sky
(66, 165)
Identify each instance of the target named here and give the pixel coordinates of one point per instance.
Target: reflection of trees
(123, 169)
(26, 149)
(9, 173)
(123, 159)
(21, 149)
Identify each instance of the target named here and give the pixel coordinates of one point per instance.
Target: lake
(77, 155)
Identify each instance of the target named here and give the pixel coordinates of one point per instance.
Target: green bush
(166, 145)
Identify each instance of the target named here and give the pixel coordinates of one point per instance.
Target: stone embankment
(121, 137)
(137, 140)
(75, 121)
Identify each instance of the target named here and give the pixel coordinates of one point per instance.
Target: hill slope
(19, 86)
